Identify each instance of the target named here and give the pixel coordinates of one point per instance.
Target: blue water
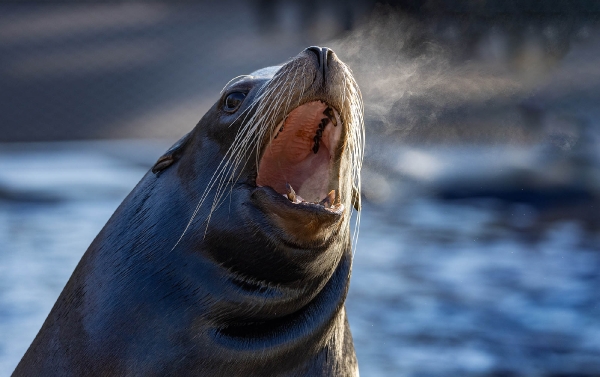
(438, 288)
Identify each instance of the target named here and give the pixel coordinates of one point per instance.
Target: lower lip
(277, 198)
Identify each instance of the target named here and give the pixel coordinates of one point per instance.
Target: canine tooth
(291, 194)
(329, 113)
(329, 199)
(331, 196)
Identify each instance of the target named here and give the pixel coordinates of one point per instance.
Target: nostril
(328, 55)
(317, 51)
(325, 59)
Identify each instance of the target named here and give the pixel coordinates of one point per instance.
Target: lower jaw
(308, 223)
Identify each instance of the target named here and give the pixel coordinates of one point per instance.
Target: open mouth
(300, 160)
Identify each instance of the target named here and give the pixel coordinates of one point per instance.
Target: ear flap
(356, 202)
(171, 155)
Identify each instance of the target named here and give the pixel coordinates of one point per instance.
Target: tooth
(331, 196)
(329, 113)
(291, 194)
(329, 199)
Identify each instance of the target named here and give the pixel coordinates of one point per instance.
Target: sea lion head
(273, 164)
(233, 256)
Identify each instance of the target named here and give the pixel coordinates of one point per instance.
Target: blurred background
(479, 248)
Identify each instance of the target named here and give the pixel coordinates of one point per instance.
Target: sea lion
(232, 256)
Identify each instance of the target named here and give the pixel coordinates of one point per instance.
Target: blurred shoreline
(431, 72)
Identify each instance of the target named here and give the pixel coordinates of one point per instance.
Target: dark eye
(233, 101)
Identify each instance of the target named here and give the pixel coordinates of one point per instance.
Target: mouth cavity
(299, 161)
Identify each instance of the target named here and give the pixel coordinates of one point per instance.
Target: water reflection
(439, 286)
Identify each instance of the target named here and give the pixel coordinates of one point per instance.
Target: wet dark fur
(233, 299)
